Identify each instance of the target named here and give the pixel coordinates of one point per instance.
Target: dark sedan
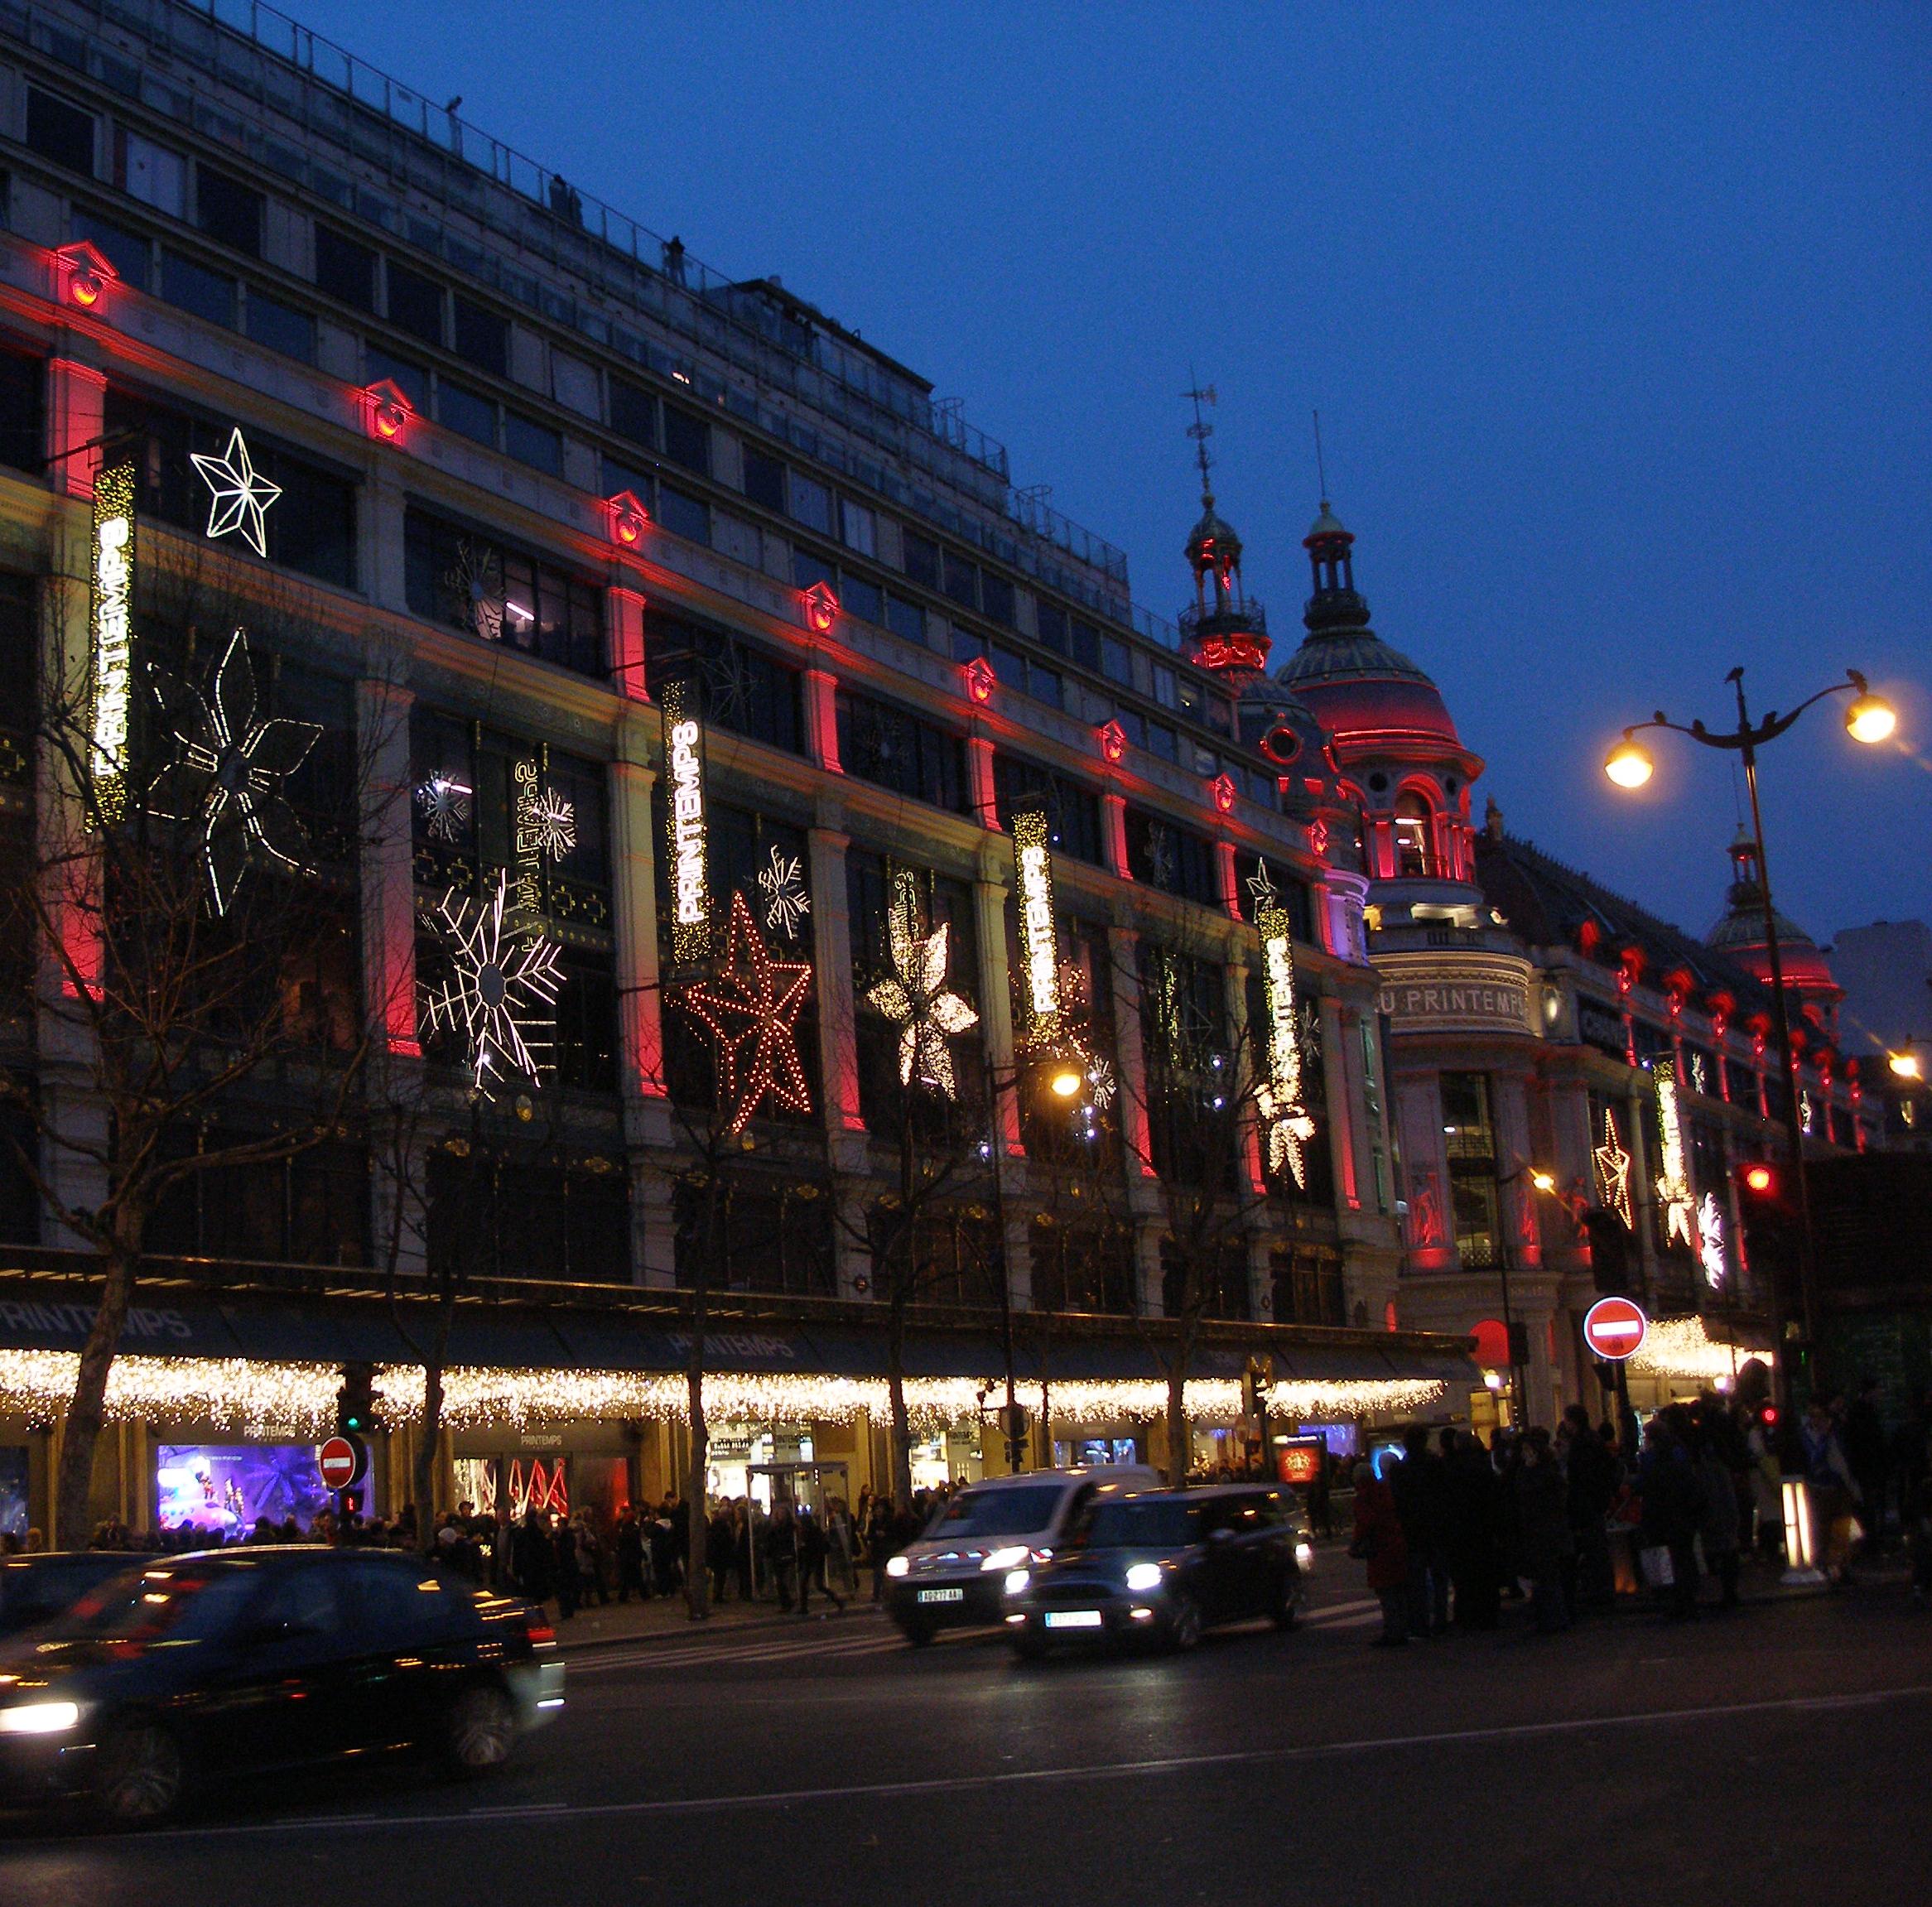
(36, 1589)
(246, 1661)
(1161, 1567)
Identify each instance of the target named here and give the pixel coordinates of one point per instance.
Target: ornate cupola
(1335, 608)
(1739, 932)
(1222, 630)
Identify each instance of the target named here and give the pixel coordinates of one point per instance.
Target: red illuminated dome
(1739, 932)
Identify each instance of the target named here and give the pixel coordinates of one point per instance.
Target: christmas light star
(917, 997)
(503, 988)
(1612, 1164)
(1261, 886)
(751, 1011)
(225, 780)
(240, 494)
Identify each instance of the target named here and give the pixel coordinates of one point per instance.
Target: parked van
(951, 1578)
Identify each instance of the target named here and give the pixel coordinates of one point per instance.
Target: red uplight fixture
(1317, 838)
(980, 679)
(84, 274)
(1113, 741)
(1223, 788)
(628, 519)
(822, 609)
(387, 410)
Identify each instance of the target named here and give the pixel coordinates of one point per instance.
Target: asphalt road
(1774, 1754)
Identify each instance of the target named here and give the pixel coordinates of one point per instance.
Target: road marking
(551, 1811)
(684, 1654)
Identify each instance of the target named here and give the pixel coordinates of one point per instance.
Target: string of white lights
(1682, 1348)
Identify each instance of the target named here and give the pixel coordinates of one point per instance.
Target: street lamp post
(1870, 719)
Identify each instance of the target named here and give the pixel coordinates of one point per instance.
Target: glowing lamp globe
(1065, 1083)
(1629, 765)
(1759, 1178)
(1904, 1065)
(1871, 719)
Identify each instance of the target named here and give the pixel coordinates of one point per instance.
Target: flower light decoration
(502, 994)
(1673, 1192)
(915, 994)
(239, 494)
(782, 881)
(750, 1009)
(445, 803)
(1710, 1231)
(1612, 1167)
(226, 778)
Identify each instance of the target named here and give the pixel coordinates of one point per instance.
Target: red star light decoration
(751, 1011)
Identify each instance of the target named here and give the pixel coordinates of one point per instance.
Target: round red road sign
(342, 1461)
(1614, 1327)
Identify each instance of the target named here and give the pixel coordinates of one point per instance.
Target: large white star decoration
(1612, 1164)
(240, 494)
(445, 803)
(503, 991)
(553, 822)
(916, 995)
(225, 780)
(1262, 887)
(751, 1011)
(782, 883)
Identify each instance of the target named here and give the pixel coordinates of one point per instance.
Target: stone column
(996, 995)
(1342, 1085)
(623, 619)
(1130, 1052)
(1114, 829)
(76, 404)
(387, 865)
(821, 691)
(634, 914)
(831, 954)
(979, 780)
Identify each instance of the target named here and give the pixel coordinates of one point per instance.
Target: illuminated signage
(1673, 1192)
(684, 827)
(1039, 946)
(1456, 992)
(114, 635)
(1289, 1126)
(529, 843)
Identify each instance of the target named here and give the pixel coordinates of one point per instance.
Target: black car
(245, 1661)
(36, 1588)
(1161, 1566)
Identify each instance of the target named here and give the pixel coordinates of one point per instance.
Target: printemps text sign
(113, 635)
(685, 828)
(1039, 946)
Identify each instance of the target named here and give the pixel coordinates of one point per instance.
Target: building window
(765, 481)
(860, 597)
(514, 1218)
(416, 304)
(480, 337)
(859, 528)
(1414, 859)
(1116, 661)
(1050, 621)
(634, 414)
(410, 378)
(752, 1233)
(1084, 1266)
(502, 595)
(922, 558)
(23, 384)
(684, 516)
(1173, 859)
(688, 440)
(279, 327)
(466, 412)
(345, 271)
(534, 444)
(156, 175)
(811, 504)
(897, 749)
(60, 131)
(192, 287)
(961, 582)
(229, 212)
(745, 689)
(1073, 812)
(905, 619)
(127, 252)
(1469, 1140)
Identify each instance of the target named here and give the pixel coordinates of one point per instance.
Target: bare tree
(190, 901)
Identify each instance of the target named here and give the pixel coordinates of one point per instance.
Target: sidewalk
(665, 1617)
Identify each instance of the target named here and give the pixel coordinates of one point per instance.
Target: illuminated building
(692, 654)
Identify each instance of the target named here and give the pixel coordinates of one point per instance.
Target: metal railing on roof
(558, 222)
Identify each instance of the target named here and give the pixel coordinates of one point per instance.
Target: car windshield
(1141, 1526)
(999, 1512)
(182, 1601)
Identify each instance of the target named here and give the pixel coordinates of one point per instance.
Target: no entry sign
(342, 1461)
(1614, 1327)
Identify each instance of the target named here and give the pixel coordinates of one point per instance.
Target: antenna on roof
(1201, 432)
(1321, 468)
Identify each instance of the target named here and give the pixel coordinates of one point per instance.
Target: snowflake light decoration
(239, 494)
(1612, 1165)
(226, 778)
(502, 996)
(782, 883)
(1100, 1085)
(751, 1011)
(1710, 1231)
(480, 600)
(445, 803)
(917, 997)
(553, 824)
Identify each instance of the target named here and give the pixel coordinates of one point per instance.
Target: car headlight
(1142, 1576)
(1304, 1555)
(1017, 1581)
(40, 1718)
(897, 1566)
(1006, 1558)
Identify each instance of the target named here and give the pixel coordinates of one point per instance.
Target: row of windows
(498, 593)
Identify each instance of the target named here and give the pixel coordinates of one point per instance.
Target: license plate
(943, 1596)
(1074, 1619)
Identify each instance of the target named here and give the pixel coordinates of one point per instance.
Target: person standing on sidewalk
(719, 1542)
(630, 1558)
(1719, 1521)
(1378, 1543)
(811, 1552)
(879, 1542)
(1543, 1521)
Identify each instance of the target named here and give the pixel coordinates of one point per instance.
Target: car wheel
(1184, 1625)
(482, 1730)
(1288, 1599)
(142, 1775)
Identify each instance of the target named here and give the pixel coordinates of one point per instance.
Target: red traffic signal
(1769, 1416)
(1760, 1180)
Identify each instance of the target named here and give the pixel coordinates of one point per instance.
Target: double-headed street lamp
(1870, 719)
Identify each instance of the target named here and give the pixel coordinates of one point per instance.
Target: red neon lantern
(822, 609)
(84, 274)
(628, 519)
(1222, 789)
(979, 680)
(1113, 741)
(387, 410)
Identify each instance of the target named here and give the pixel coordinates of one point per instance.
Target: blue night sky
(1617, 320)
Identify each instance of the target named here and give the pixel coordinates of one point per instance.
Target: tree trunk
(86, 1409)
(423, 1472)
(902, 1423)
(1177, 1437)
(697, 1581)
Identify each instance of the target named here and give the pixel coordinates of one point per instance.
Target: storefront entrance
(816, 1487)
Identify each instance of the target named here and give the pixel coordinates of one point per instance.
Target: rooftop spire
(1221, 628)
(1201, 431)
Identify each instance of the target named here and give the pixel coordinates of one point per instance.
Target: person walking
(1834, 1490)
(1719, 1521)
(719, 1542)
(1590, 1480)
(1543, 1527)
(1379, 1543)
(1471, 1547)
(1673, 1500)
(1419, 1485)
(569, 1574)
(878, 1546)
(781, 1539)
(810, 1536)
(629, 1544)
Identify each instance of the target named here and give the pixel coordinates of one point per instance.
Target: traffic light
(1255, 1383)
(1769, 1216)
(355, 1401)
(1758, 1180)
